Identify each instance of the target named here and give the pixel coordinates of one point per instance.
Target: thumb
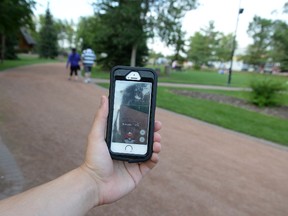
(100, 121)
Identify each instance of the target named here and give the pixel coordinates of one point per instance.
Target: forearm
(74, 193)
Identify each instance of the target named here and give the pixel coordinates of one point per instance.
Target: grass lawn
(239, 79)
(24, 60)
(253, 123)
(237, 94)
(234, 118)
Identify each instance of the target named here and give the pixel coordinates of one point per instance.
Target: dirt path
(204, 170)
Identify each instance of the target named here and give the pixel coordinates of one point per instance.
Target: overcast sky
(222, 12)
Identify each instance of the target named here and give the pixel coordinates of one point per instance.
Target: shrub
(266, 92)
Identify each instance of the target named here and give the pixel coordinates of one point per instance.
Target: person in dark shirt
(73, 60)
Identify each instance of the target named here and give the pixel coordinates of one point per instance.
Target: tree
(279, 52)
(48, 38)
(132, 22)
(261, 30)
(285, 8)
(69, 32)
(13, 15)
(199, 53)
(224, 47)
(65, 33)
(120, 33)
(168, 24)
(204, 45)
(87, 29)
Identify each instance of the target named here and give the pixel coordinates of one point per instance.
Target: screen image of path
(131, 112)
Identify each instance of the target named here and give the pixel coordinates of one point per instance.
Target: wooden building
(26, 42)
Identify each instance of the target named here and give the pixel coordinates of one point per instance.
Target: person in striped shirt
(88, 59)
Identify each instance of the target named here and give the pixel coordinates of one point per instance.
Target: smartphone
(132, 103)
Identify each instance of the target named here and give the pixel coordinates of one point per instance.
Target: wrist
(93, 185)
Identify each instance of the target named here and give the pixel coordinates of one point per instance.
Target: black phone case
(124, 70)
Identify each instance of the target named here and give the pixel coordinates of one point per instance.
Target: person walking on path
(73, 61)
(88, 59)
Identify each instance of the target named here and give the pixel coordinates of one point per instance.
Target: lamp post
(240, 11)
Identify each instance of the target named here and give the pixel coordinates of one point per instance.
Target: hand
(114, 179)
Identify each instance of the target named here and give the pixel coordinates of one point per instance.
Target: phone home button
(128, 148)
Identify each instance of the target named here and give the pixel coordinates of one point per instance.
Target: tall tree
(132, 22)
(168, 24)
(121, 33)
(48, 41)
(13, 15)
(224, 47)
(88, 28)
(199, 53)
(279, 51)
(204, 45)
(66, 33)
(70, 32)
(285, 8)
(261, 30)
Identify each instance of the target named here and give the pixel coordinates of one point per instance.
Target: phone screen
(131, 114)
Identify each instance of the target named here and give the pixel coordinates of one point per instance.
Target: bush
(266, 92)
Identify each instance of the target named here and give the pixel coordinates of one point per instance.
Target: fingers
(157, 126)
(154, 158)
(150, 164)
(100, 121)
(157, 137)
(157, 147)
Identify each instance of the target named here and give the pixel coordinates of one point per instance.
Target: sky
(222, 12)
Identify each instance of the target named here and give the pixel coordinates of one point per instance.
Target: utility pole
(240, 11)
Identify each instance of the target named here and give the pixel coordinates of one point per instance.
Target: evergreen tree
(48, 41)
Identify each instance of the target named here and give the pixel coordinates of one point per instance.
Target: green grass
(227, 116)
(239, 79)
(24, 60)
(253, 123)
(98, 73)
(237, 94)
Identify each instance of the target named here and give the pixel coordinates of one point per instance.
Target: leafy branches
(13, 15)
(130, 23)
(209, 45)
(261, 30)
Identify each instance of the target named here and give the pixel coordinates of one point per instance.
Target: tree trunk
(133, 55)
(2, 47)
